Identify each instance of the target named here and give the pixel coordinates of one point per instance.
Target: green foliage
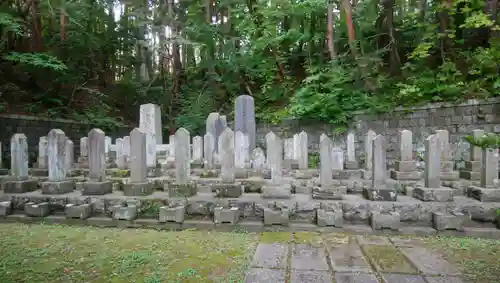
(489, 140)
(39, 60)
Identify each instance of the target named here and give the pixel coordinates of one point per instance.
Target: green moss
(275, 237)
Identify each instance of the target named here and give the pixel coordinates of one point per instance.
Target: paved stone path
(354, 259)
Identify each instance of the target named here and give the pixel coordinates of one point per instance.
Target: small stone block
(276, 216)
(172, 214)
(57, 188)
(473, 166)
(385, 220)
(484, 194)
(470, 175)
(380, 194)
(448, 221)
(20, 186)
(255, 275)
(332, 193)
(4, 171)
(82, 211)
(400, 175)
(355, 277)
(227, 190)
(121, 212)
(310, 276)
(37, 172)
(178, 190)
(351, 165)
(97, 188)
(329, 218)
(138, 189)
(226, 215)
(5, 208)
(428, 194)
(280, 192)
(36, 210)
(209, 174)
(449, 176)
(405, 166)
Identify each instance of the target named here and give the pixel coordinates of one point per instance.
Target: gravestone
(227, 187)
(107, 147)
(472, 170)
(432, 189)
(447, 173)
(120, 156)
(150, 124)
(58, 182)
(258, 159)
(215, 124)
(42, 162)
(380, 189)
(303, 154)
(3, 171)
(83, 159)
(289, 161)
(241, 147)
(277, 188)
(489, 189)
(244, 118)
(327, 190)
(70, 158)
(208, 151)
(198, 151)
(405, 166)
(139, 185)
(20, 181)
(369, 137)
(183, 186)
(337, 157)
(97, 184)
(350, 162)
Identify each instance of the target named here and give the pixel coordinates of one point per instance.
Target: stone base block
(331, 193)
(473, 166)
(276, 216)
(351, 165)
(277, 191)
(484, 194)
(182, 190)
(385, 220)
(405, 166)
(448, 221)
(37, 172)
(138, 189)
(346, 174)
(388, 193)
(241, 173)
(403, 176)
(5, 208)
(226, 215)
(121, 212)
(97, 188)
(209, 174)
(366, 175)
(118, 173)
(470, 175)
(82, 211)
(196, 164)
(74, 173)
(36, 210)
(57, 188)
(446, 166)
(227, 190)
(329, 218)
(4, 171)
(434, 194)
(253, 185)
(172, 214)
(290, 164)
(305, 174)
(20, 186)
(449, 176)
(154, 172)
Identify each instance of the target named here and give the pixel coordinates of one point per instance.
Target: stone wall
(35, 127)
(458, 119)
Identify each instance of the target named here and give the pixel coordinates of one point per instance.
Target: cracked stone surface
(346, 261)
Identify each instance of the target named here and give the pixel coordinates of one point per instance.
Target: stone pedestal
(172, 214)
(329, 193)
(57, 188)
(209, 174)
(383, 193)
(227, 190)
(447, 173)
(97, 188)
(37, 172)
(385, 220)
(19, 186)
(448, 221)
(83, 162)
(351, 165)
(472, 171)
(226, 215)
(4, 171)
(36, 210)
(484, 194)
(277, 191)
(154, 172)
(347, 174)
(5, 208)
(241, 173)
(333, 218)
(442, 194)
(366, 175)
(138, 189)
(276, 216)
(121, 212)
(405, 170)
(82, 211)
(196, 164)
(178, 190)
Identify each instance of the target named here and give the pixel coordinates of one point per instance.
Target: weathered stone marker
(58, 168)
(303, 153)
(150, 124)
(183, 185)
(447, 172)
(241, 150)
(83, 159)
(209, 150)
(139, 185)
(432, 190)
(327, 190)
(215, 124)
(21, 182)
(70, 155)
(258, 159)
(97, 184)
(198, 151)
(228, 187)
(3, 171)
(369, 137)
(277, 188)
(489, 189)
(42, 162)
(244, 117)
(120, 156)
(472, 170)
(380, 189)
(406, 166)
(351, 162)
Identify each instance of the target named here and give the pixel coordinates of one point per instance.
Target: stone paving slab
(270, 256)
(429, 263)
(348, 258)
(265, 275)
(401, 278)
(373, 240)
(451, 279)
(306, 257)
(343, 277)
(310, 276)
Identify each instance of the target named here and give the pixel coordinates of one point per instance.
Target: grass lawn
(56, 253)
